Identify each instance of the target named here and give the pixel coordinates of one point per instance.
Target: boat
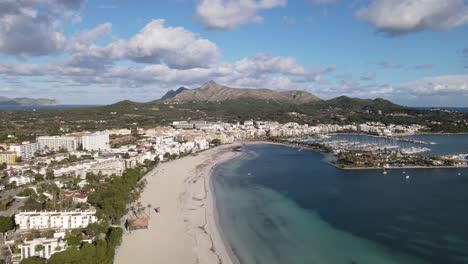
(407, 177)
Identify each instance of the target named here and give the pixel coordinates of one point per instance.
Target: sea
(459, 109)
(40, 107)
(278, 204)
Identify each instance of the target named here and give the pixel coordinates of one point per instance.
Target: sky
(412, 52)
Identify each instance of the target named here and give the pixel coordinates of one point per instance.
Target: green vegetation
(26, 192)
(364, 159)
(100, 252)
(342, 110)
(6, 223)
(110, 198)
(74, 237)
(216, 142)
(6, 203)
(33, 260)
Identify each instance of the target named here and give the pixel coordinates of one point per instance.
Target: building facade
(25, 150)
(28, 248)
(20, 180)
(8, 157)
(96, 141)
(60, 220)
(57, 143)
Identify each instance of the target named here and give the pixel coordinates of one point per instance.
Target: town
(67, 190)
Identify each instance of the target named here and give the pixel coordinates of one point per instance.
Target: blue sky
(413, 52)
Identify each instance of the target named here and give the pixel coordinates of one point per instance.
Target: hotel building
(25, 150)
(56, 143)
(96, 141)
(8, 157)
(60, 220)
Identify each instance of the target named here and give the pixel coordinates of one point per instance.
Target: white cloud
(397, 17)
(154, 44)
(33, 27)
(228, 14)
(174, 46)
(263, 71)
(456, 85)
(263, 63)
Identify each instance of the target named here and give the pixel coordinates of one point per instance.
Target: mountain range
(213, 92)
(23, 101)
(215, 102)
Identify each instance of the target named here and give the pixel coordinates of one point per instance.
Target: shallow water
(280, 205)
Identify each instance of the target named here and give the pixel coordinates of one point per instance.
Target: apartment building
(60, 220)
(26, 149)
(58, 142)
(8, 157)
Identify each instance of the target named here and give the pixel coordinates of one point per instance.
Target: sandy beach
(185, 230)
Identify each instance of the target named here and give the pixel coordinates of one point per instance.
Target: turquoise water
(280, 205)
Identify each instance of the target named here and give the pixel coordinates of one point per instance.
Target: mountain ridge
(214, 92)
(24, 101)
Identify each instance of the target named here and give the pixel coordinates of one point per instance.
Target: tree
(6, 223)
(3, 166)
(74, 237)
(38, 177)
(216, 142)
(38, 248)
(95, 229)
(149, 210)
(50, 174)
(33, 260)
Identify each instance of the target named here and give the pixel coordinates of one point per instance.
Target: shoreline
(218, 231)
(398, 168)
(186, 230)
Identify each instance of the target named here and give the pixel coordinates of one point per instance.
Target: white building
(120, 132)
(26, 149)
(49, 246)
(62, 220)
(96, 141)
(20, 180)
(105, 166)
(164, 140)
(56, 143)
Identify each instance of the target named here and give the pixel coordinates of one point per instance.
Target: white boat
(407, 177)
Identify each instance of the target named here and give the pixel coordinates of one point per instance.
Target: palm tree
(149, 211)
(132, 208)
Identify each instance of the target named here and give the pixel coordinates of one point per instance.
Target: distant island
(24, 101)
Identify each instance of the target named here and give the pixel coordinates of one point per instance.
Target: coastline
(186, 230)
(397, 168)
